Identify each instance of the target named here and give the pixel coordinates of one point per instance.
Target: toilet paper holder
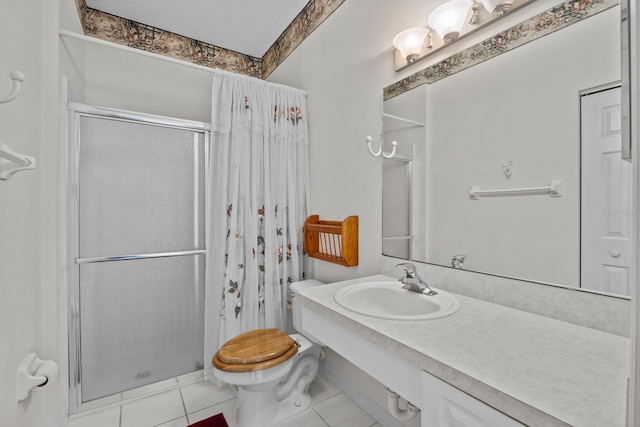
(32, 373)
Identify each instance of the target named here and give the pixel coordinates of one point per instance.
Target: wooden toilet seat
(255, 350)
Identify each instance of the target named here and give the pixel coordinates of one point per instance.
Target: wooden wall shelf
(332, 241)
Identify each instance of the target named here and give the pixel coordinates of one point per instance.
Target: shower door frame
(75, 112)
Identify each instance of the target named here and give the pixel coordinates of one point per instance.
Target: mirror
(534, 121)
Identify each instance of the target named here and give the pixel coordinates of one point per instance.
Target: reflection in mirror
(396, 195)
(516, 121)
(404, 176)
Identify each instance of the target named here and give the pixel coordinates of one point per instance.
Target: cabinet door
(446, 406)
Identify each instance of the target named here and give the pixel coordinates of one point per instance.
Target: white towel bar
(554, 190)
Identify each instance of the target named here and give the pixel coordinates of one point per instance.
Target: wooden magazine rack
(332, 241)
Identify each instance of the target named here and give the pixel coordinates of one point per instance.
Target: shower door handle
(139, 256)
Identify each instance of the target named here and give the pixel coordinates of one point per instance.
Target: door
(606, 211)
(137, 279)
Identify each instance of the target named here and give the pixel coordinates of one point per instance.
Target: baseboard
(364, 402)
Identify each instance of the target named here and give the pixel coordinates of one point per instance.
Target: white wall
(119, 79)
(29, 215)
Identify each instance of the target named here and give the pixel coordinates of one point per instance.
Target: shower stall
(136, 233)
(397, 179)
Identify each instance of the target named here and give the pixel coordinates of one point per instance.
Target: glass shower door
(140, 245)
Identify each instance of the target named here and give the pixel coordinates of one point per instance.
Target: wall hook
(17, 78)
(507, 168)
(380, 152)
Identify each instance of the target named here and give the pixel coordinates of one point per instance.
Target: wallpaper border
(137, 35)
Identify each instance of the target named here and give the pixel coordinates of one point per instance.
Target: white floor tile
(180, 422)
(228, 408)
(339, 411)
(308, 419)
(202, 394)
(321, 389)
(153, 410)
(105, 418)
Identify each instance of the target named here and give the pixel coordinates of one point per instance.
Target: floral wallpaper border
(547, 22)
(151, 39)
(309, 18)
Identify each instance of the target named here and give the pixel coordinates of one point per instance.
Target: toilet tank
(296, 304)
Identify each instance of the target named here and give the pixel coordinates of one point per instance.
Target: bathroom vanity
(484, 365)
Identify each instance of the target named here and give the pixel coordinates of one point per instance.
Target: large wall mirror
(543, 121)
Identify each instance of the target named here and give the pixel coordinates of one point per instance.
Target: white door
(607, 216)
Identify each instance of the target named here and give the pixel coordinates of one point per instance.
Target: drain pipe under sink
(394, 407)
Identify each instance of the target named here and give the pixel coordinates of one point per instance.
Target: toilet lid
(255, 350)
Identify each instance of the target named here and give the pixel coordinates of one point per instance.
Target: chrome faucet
(457, 260)
(412, 281)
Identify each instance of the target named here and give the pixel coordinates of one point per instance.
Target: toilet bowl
(272, 370)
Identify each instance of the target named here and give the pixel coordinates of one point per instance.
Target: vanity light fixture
(449, 18)
(447, 23)
(409, 42)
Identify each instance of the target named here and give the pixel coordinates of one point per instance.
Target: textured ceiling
(245, 26)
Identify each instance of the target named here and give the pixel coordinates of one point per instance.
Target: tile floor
(197, 400)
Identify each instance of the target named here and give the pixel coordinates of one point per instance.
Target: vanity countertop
(539, 371)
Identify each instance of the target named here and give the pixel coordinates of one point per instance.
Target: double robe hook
(10, 161)
(380, 152)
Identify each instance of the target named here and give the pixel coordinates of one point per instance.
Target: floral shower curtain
(258, 197)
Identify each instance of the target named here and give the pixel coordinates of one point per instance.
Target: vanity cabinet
(446, 406)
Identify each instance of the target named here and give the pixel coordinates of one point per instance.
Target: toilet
(272, 370)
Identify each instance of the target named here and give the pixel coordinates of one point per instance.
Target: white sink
(387, 300)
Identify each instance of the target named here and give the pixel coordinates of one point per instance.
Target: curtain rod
(82, 37)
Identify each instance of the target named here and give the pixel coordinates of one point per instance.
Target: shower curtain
(258, 197)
